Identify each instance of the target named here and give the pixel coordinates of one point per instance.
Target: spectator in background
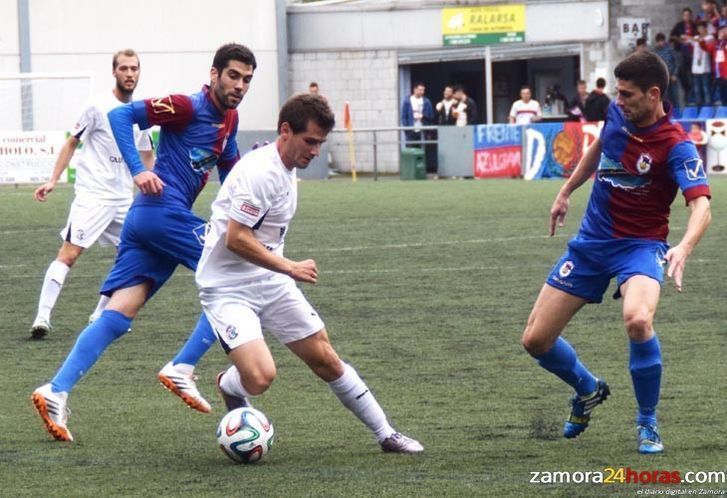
(527, 109)
(416, 110)
(597, 102)
(466, 110)
(314, 90)
(641, 45)
(446, 106)
(718, 52)
(576, 107)
(710, 15)
(666, 53)
(682, 31)
(555, 102)
(702, 44)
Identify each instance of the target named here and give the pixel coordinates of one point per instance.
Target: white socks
(102, 302)
(52, 284)
(355, 395)
(232, 384)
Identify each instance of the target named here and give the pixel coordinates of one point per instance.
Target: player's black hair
(526, 87)
(660, 37)
(687, 9)
(645, 70)
(601, 83)
(233, 52)
(300, 109)
(418, 83)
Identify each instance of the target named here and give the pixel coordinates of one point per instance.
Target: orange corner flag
(347, 117)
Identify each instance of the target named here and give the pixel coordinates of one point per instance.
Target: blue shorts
(588, 266)
(154, 240)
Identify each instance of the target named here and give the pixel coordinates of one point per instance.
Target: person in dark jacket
(597, 102)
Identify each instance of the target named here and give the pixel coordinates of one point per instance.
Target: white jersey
(102, 176)
(523, 113)
(261, 193)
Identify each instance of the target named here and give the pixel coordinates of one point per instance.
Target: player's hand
(304, 271)
(558, 212)
(41, 193)
(149, 183)
(677, 259)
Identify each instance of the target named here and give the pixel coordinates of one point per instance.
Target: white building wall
(176, 40)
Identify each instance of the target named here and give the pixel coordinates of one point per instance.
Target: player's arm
(241, 240)
(585, 169)
(64, 157)
(699, 219)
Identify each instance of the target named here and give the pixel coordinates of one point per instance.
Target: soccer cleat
(40, 328)
(399, 443)
(52, 409)
(580, 413)
(232, 402)
(184, 386)
(649, 439)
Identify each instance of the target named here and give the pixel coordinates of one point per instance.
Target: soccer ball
(245, 435)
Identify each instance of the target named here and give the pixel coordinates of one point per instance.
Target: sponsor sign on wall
(483, 25)
(29, 156)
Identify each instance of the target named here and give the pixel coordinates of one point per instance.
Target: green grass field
(425, 288)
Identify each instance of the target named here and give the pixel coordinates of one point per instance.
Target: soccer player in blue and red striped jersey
(160, 232)
(640, 161)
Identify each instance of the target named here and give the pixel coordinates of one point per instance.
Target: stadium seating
(690, 112)
(676, 112)
(706, 112)
(721, 112)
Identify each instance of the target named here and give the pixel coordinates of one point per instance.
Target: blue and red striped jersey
(638, 176)
(195, 137)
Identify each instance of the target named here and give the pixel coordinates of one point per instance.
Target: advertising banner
(29, 156)
(483, 25)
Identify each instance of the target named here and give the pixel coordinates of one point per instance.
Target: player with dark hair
(103, 185)
(246, 284)
(161, 231)
(640, 160)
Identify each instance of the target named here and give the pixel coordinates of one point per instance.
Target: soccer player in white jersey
(246, 284)
(103, 187)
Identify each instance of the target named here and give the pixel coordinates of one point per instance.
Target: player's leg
(110, 237)
(53, 281)
(316, 351)
(50, 399)
(183, 238)
(641, 297)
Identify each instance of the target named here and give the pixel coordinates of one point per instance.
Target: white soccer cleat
(40, 328)
(53, 410)
(399, 443)
(184, 386)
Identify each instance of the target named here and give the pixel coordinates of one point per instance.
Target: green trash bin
(412, 165)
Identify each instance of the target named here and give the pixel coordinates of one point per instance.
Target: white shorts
(275, 304)
(88, 223)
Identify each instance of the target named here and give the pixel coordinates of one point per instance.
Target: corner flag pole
(351, 149)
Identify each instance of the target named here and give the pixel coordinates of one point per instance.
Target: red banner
(498, 162)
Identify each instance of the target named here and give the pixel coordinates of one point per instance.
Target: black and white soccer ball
(245, 435)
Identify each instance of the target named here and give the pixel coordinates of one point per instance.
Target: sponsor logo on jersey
(613, 172)
(163, 105)
(231, 332)
(250, 209)
(566, 268)
(660, 255)
(695, 169)
(218, 125)
(643, 165)
(202, 160)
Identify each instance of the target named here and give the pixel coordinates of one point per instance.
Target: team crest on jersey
(163, 105)
(694, 169)
(231, 332)
(80, 234)
(643, 165)
(566, 268)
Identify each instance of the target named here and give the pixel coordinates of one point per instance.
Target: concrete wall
(176, 40)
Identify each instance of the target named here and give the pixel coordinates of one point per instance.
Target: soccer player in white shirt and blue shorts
(246, 284)
(103, 186)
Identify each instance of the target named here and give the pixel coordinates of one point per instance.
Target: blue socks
(89, 347)
(645, 367)
(202, 338)
(563, 361)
